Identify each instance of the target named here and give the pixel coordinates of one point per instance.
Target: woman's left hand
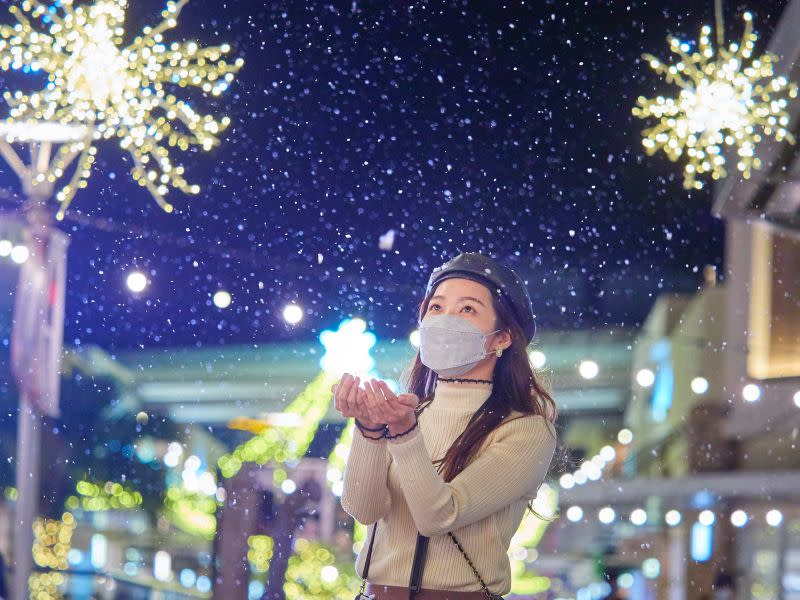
(396, 410)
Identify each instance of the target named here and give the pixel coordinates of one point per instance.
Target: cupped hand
(395, 410)
(350, 400)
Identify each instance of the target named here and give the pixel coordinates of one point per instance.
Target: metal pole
(29, 436)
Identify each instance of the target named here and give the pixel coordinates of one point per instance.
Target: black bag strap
(415, 583)
(369, 556)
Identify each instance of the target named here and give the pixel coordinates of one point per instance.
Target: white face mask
(450, 346)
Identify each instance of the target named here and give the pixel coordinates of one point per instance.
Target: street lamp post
(37, 330)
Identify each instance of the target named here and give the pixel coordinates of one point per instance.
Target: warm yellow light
(726, 98)
(115, 91)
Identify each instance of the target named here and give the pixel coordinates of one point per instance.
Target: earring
(499, 352)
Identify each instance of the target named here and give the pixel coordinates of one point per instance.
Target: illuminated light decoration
(46, 585)
(574, 513)
(699, 385)
(282, 443)
(607, 453)
(751, 392)
(292, 314)
(222, 299)
(625, 437)
(625, 581)
(537, 358)
(112, 91)
(162, 565)
(136, 281)
(259, 552)
(739, 518)
(347, 349)
(606, 515)
(98, 550)
(588, 369)
(5, 248)
(19, 254)
(312, 573)
(52, 539)
(651, 568)
(645, 377)
(702, 542)
(726, 98)
(567, 481)
(706, 517)
(639, 517)
(191, 511)
(774, 517)
(673, 518)
(94, 497)
(797, 399)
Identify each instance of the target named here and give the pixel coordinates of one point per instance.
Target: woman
(474, 406)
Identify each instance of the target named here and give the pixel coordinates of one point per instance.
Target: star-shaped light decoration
(122, 92)
(725, 99)
(348, 349)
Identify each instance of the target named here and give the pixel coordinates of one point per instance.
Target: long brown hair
(515, 387)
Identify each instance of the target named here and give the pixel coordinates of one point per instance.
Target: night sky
(462, 126)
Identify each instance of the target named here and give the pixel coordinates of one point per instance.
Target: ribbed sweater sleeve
(511, 467)
(365, 495)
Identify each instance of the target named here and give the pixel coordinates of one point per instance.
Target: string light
(726, 98)
(52, 541)
(103, 496)
(117, 92)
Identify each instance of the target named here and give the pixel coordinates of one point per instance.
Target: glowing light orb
(537, 358)
(606, 515)
(699, 385)
(751, 392)
(292, 314)
(222, 299)
(136, 281)
(739, 518)
(588, 369)
(574, 513)
(638, 517)
(725, 98)
(114, 91)
(19, 254)
(645, 377)
(774, 517)
(706, 518)
(625, 437)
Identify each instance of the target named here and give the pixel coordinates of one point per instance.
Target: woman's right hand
(351, 401)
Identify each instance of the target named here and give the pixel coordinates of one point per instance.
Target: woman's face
(466, 299)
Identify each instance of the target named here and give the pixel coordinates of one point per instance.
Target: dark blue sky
(472, 126)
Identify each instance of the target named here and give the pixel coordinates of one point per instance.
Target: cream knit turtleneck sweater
(394, 482)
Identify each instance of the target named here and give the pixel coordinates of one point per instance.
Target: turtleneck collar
(460, 396)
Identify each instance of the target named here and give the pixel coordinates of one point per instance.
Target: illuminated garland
(313, 573)
(259, 552)
(727, 99)
(118, 92)
(284, 443)
(192, 512)
(107, 496)
(51, 541)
